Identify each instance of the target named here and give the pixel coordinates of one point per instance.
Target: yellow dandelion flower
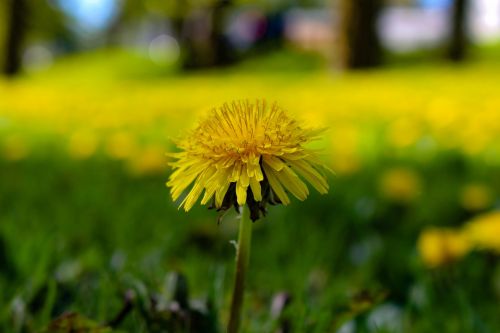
(476, 197)
(83, 144)
(483, 231)
(400, 184)
(439, 246)
(246, 153)
(15, 148)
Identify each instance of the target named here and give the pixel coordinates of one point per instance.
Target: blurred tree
(222, 49)
(47, 22)
(198, 26)
(359, 40)
(27, 21)
(458, 29)
(3, 28)
(129, 12)
(15, 31)
(179, 10)
(211, 48)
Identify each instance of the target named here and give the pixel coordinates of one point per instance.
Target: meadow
(87, 225)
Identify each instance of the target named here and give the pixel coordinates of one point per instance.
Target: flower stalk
(247, 156)
(242, 261)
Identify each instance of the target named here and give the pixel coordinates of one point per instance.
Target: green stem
(242, 260)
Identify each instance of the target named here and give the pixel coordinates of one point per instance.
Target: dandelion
(483, 231)
(82, 145)
(439, 246)
(476, 196)
(246, 153)
(246, 156)
(15, 148)
(400, 184)
(121, 145)
(149, 160)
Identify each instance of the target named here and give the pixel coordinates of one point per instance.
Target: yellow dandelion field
(433, 111)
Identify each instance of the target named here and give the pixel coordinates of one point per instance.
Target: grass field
(85, 216)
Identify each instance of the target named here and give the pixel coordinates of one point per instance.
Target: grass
(85, 216)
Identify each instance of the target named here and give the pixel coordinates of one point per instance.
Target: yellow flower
(441, 246)
(121, 145)
(82, 145)
(15, 148)
(404, 132)
(476, 197)
(246, 153)
(149, 160)
(483, 231)
(400, 184)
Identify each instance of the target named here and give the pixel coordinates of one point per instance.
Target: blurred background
(92, 92)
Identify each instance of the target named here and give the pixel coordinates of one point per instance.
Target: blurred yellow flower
(441, 112)
(345, 140)
(344, 146)
(82, 145)
(476, 197)
(121, 145)
(441, 115)
(149, 160)
(246, 153)
(400, 184)
(484, 231)
(15, 148)
(346, 164)
(404, 132)
(441, 246)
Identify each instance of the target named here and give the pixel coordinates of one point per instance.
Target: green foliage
(104, 232)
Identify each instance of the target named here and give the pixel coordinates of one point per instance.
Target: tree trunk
(359, 39)
(203, 41)
(181, 10)
(16, 28)
(458, 23)
(223, 53)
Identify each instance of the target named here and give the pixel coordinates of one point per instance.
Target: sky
(91, 15)
(434, 3)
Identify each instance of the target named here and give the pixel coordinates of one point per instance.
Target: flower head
(246, 153)
(439, 246)
(483, 231)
